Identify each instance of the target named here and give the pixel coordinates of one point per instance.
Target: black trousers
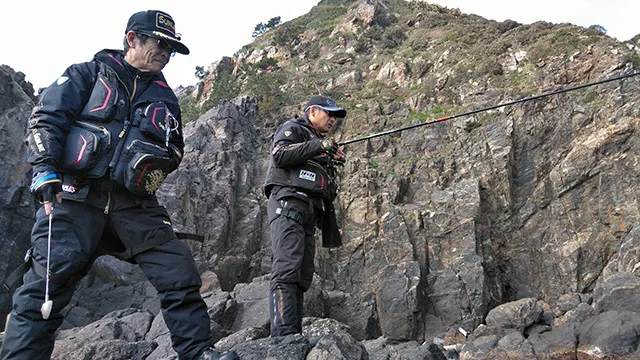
(292, 240)
(79, 231)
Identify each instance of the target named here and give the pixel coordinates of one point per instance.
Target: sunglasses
(164, 45)
(332, 114)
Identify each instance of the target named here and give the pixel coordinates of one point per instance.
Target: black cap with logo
(159, 25)
(326, 104)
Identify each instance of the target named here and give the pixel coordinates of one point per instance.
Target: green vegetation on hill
(447, 59)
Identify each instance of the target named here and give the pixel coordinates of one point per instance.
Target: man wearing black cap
(101, 141)
(301, 188)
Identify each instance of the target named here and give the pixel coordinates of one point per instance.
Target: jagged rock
(184, 91)
(566, 302)
(253, 304)
(111, 285)
(479, 348)
(16, 204)
(348, 80)
(367, 12)
(559, 343)
(338, 345)
(110, 350)
(397, 301)
(111, 270)
(217, 191)
(210, 281)
(241, 337)
(396, 109)
(511, 347)
(382, 349)
(581, 313)
(619, 292)
(117, 328)
(626, 257)
(315, 328)
(225, 65)
(507, 25)
(290, 347)
(358, 314)
(159, 333)
(516, 315)
(222, 308)
(393, 72)
(611, 332)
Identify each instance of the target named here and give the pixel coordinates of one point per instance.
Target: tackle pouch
(311, 177)
(84, 146)
(102, 102)
(155, 122)
(142, 168)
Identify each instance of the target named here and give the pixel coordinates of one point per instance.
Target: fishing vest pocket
(84, 147)
(155, 122)
(311, 177)
(142, 167)
(102, 102)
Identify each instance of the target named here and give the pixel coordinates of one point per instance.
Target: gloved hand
(45, 185)
(329, 146)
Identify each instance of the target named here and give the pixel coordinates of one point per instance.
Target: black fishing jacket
(298, 161)
(105, 93)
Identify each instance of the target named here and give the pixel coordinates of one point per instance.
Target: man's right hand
(46, 186)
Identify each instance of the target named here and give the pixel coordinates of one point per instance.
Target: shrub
(634, 59)
(189, 109)
(267, 64)
(223, 88)
(393, 37)
(287, 33)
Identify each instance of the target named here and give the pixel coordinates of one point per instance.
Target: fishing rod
(446, 118)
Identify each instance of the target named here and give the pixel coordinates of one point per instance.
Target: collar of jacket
(304, 121)
(115, 60)
(127, 73)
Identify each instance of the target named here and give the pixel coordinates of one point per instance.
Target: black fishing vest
(312, 177)
(130, 142)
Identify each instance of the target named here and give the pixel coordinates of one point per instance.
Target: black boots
(214, 354)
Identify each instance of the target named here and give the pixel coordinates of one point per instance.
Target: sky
(43, 37)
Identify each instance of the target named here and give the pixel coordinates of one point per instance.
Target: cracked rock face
(517, 225)
(16, 204)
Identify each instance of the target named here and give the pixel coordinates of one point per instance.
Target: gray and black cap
(325, 104)
(159, 25)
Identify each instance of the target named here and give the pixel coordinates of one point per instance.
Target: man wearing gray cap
(101, 140)
(301, 188)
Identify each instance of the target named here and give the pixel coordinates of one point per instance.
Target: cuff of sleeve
(43, 167)
(317, 147)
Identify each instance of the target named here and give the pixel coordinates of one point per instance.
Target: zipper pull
(124, 128)
(106, 208)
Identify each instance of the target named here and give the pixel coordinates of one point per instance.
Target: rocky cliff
(16, 204)
(508, 234)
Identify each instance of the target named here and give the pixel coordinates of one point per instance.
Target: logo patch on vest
(69, 188)
(307, 175)
(287, 133)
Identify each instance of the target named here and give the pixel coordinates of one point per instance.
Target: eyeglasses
(164, 45)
